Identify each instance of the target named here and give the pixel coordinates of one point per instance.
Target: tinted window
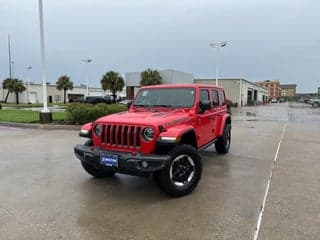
(215, 100)
(221, 98)
(204, 95)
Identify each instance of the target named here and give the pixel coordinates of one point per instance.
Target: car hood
(163, 118)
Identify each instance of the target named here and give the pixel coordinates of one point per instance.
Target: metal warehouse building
(240, 91)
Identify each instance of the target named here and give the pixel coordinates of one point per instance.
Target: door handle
(211, 117)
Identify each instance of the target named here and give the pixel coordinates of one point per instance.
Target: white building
(240, 91)
(54, 96)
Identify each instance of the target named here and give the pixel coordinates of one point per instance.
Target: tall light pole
(9, 56)
(218, 45)
(12, 68)
(87, 61)
(45, 114)
(28, 83)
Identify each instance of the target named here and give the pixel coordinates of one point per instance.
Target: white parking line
(257, 229)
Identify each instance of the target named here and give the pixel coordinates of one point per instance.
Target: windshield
(165, 97)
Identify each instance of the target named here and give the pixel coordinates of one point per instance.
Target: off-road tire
(94, 171)
(223, 143)
(166, 183)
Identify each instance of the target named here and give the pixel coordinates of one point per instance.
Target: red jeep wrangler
(160, 134)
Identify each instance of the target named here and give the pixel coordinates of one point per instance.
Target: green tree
(64, 83)
(7, 84)
(150, 77)
(112, 81)
(17, 87)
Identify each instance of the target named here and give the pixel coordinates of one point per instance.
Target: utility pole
(9, 53)
(12, 68)
(28, 83)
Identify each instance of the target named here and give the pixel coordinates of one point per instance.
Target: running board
(208, 144)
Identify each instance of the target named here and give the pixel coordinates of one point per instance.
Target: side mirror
(204, 105)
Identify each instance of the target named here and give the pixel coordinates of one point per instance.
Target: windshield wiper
(162, 105)
(140, 105)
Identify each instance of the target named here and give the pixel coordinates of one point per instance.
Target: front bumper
(127, 163)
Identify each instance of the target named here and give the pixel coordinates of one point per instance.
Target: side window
(221, 98)
(204, 95)
(215, 100)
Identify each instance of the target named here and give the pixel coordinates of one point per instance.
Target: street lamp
(28, 83)
(218, 45)
(87, 61)
(45, 114)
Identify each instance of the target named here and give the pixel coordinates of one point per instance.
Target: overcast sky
(267, 39)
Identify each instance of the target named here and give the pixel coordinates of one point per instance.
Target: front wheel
(182, 174)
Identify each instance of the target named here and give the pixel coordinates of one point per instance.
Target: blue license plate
(109, 160)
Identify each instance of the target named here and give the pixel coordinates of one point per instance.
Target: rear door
(215, 110)
(221, 109)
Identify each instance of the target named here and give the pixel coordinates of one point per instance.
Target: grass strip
(27, 116)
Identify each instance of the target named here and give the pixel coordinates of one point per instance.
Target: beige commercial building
(288, 90)
(240, 91)
(35, 92)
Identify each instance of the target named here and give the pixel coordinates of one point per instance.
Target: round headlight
(98, 129)
(148, 134)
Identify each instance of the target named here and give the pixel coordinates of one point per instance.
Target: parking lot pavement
(292, 209)
(46, 195)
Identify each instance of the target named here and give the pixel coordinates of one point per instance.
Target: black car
(98, 99)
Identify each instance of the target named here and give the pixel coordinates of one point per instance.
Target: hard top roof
(183, 85)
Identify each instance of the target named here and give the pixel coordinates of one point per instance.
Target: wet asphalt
(45, 194)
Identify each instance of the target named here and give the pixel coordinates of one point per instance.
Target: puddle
(252, 114)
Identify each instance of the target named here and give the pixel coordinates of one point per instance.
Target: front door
(204, 121)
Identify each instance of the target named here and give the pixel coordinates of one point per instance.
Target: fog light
(144, 164)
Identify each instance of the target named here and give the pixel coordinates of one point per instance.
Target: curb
(40, 126)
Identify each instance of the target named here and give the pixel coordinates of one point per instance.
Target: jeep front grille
(122, 135)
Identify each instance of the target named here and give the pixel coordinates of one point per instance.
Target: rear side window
(204, 95)
(222, 98)
(215, 100)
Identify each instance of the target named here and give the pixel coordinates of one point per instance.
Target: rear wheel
(183, 172)
(223, 143)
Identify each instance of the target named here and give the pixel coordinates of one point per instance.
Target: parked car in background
(315, 102)
(126, 102)
(274, 100)
(98, 99)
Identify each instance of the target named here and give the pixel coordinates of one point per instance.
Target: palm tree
(7, 84)
(112, 81)
(16, 86)
(150, 77)
(64, 83)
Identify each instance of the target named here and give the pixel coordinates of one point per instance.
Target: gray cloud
(266, 39)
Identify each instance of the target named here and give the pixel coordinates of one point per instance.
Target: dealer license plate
(109, 160)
